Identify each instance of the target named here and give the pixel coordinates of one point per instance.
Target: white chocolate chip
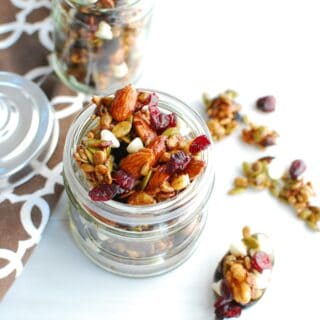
(107, 135)
(135, 145)
(262, 280)
(216, 287)
(104, 31)
(120, 70)
(238, 249)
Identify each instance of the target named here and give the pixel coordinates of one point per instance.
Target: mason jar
(99, 44)
(144, 240)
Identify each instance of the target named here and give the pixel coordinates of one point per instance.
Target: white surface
(256, 48)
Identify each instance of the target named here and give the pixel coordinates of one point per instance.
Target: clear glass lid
(28, 131)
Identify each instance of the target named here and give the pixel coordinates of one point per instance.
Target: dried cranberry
(123, 179)
(297, 168)
(261, 261)
(161, 121)
(266, 104)
(104, 192)
(226, 291)
(199, 144)
(146, 99)
(178, 162)
(228, 310)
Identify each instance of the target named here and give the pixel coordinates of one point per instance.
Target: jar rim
(145, 214)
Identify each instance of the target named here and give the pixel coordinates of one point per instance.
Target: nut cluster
(260, 136)
(134, 153)
(223, 113)
(291, 188)
(96, 48)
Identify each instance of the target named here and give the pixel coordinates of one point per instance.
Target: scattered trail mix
(95, 47)
(136, 153)
(223, 113)
(243, 274)
(291, 188)
(224, 118)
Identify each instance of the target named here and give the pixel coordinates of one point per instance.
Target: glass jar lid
(28, 131)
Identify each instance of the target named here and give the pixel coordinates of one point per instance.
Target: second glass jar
(99, 44)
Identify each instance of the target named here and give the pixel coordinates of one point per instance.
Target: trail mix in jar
(290, 188)
(99, 44)
(225, 117)
(243, 274)
(136, 153)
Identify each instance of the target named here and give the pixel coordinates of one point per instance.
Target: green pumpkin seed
(122, 129)
(171, 132)
(145, 180)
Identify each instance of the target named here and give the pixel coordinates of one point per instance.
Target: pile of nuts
(290, 189)
(243, 274)
(224, 118)
(95, 47)
(135, 153)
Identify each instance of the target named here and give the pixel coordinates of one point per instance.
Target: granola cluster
(224, 118)
(96, 47)
(290, 188)
(223, 113)
(135, 153)
(243, 274)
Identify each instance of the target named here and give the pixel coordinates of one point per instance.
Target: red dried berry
(146, 99)
(297, 168)
(228, 310)
(266, 104)
(124, 180)
(161, 121)
(199, 144)
(104, 192)
(261, 261)
(178, 162)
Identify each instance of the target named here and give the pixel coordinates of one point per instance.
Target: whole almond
(133, 163)
(124, 102)
(143, 129)
(158, 146)
(157, 179)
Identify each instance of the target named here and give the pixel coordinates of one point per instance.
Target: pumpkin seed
(122, 129)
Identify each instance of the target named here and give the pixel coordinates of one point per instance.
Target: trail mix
(290, 188)
(224, 118)
(243, 274)
(97, 48)
(135, 153)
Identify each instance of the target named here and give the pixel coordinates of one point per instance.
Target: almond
(133, 163)
(124, 102)
(143, 129)
(141, 198)
(158, 146)
(157, 179)
(194, 168)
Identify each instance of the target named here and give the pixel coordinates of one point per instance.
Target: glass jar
(98, 48)
(138, 241)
